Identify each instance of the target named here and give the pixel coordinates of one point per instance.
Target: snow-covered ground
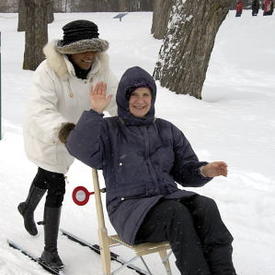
(234, 122)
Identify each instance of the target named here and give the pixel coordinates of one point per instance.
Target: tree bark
(22, 15)
(185, 53)
(36, 35)
(161, 12)
(50, 11)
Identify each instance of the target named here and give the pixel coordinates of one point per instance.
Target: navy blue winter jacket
(142, 159)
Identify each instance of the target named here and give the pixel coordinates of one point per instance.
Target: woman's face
(140, 102)
(83, 60)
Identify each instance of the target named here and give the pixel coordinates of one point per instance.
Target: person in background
(255, 7)
(143, 158)
(239, 8)
(60, 93)
(268, 7)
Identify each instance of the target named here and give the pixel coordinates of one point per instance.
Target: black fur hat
(81, 36)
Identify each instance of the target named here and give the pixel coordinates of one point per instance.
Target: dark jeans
(55, 183)
(238, 14)
(199, 239)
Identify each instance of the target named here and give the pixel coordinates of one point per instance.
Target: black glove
(65, 131)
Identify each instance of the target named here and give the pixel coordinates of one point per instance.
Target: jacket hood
(132, 79)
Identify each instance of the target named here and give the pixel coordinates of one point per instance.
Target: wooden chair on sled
(106, 241)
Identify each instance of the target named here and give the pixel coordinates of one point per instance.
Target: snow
(234, 122)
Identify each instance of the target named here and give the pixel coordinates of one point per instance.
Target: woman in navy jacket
(143, 158)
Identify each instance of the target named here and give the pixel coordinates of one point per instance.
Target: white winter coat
(58, 97)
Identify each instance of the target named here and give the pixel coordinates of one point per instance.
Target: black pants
(238, 14)
(199, 239)
(55, 183)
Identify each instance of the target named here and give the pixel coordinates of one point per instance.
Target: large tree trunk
(161, 14)
(36, 35)
(22, 14)
(21, 25)
(9, 6)
(185, 53)
(50, 11)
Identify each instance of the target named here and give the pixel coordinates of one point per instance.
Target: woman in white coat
(60, 93)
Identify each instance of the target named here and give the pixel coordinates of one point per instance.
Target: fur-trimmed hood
(60, 64)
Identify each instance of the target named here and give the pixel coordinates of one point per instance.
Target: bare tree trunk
(36, 35)
(21, 25)
(162, 9)
(146, 5)
(134, 5)
(60, 5)
(50, 11)
(9, 6)
(185, 53)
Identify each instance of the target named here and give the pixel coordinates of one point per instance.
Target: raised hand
(214, 169)
(98, 97)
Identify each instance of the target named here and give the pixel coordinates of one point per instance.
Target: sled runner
(35, 259)
(107, 241)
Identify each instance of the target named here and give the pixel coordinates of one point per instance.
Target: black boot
(50, 255)
(27, 208)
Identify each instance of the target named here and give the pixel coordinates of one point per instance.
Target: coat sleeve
(43, 119)
(186, 166)
(84, 141)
